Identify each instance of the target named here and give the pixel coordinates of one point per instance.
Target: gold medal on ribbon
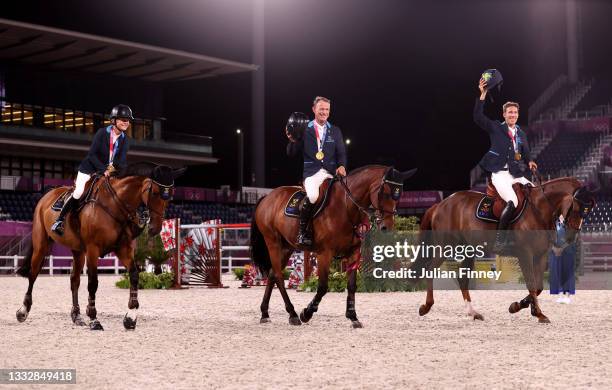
(319, 155)
(517, 156)
(110, 168)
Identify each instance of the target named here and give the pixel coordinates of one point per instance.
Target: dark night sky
(402, 75)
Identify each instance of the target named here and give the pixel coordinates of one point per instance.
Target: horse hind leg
(265, 303)
(464, 284)
(468, 306)
(75, 282)
(33, 263)
(279, 257)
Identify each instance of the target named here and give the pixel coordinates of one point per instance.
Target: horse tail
(259, 250)
(26, 268)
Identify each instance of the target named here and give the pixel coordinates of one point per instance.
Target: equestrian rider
(322, 147)
(509, 147)
(107, 154)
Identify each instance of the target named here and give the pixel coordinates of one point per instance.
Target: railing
(68, 119)
(537, 106)
(52, 267)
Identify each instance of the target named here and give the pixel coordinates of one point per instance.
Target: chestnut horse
(108, 222)
(533, 233)
(371, 189)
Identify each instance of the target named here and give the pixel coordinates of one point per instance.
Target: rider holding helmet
(107, 154)
(509, 149)
(322, 147)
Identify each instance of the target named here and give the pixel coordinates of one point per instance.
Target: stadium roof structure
(69, 50)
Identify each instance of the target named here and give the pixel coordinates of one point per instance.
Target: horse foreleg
(313, 306)
(540, 267)
(265, 303)
(429, 300)
(92, 287)
(129, 321)
(351, 287)
(75, 281)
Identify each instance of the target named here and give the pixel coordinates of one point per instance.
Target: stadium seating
(565, 152)
(600, 219)
(19, 206)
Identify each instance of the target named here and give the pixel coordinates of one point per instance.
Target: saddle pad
(484, 210)
(292, 209)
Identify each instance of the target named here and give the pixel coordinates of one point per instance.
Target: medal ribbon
(319, 140)
(513, 138)
(112, 147)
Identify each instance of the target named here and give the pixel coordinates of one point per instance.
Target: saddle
(292, 208)
(67, 193)
(491, 205)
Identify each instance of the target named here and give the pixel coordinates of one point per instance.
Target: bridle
(585, 207)
(131, 215)
(376, 213)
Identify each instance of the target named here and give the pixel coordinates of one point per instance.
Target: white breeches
(81, 180)
(503, 180)
(312, 184)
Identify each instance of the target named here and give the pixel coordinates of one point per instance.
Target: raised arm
(480, 118)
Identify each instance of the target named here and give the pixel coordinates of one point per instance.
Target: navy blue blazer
(97, 158)
(501, 151)
(333, 149)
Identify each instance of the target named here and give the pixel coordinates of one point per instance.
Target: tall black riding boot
(501, 240)
(58, 226)
(305, 234)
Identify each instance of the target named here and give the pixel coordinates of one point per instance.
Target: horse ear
(178, 172)
(408, 174)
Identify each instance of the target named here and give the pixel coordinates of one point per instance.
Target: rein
(375, 214)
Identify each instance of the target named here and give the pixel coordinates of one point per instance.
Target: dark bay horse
(533, 233)
(108, 222)
(273, 235)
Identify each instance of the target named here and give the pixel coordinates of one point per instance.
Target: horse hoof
(544, 320)
(129, 323)
(95, 325)
(265, 320)
(515, 307)
(356, 324)
(424, 309)
(294, 321)
(479, 317)
(78, 321)
(305, 318)
(21, 315)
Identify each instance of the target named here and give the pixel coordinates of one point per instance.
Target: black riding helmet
(296, 124)
(493, 78)
(121, 111)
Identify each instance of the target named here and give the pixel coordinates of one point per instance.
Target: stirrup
(58, 227)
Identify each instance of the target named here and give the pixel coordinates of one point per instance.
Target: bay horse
(533, 233)
(109, 221)
(372, 189)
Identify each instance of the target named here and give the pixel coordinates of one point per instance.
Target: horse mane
(159, 173)
(562, 179)
(371, 166)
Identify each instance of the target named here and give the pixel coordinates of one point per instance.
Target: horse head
(571, 202)
(156, 192)
(385, 187)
